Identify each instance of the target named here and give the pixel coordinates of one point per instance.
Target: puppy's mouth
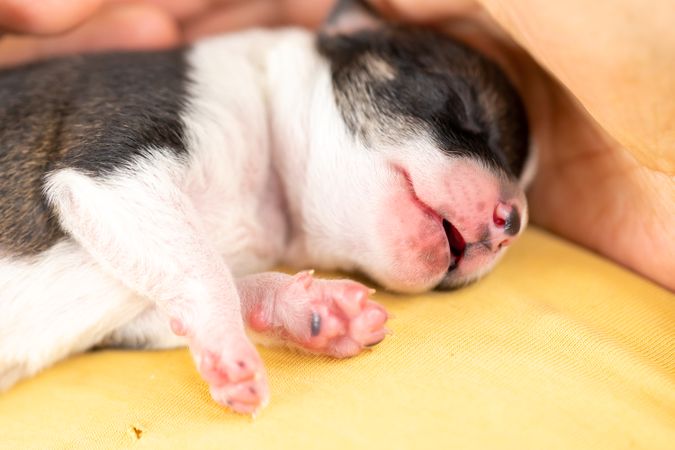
(456, 241)
(457, 244)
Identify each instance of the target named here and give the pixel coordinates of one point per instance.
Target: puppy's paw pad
(341, 320)
(236, 378)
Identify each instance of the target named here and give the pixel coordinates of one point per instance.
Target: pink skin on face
(467, 198)
(472, 198)
(415, 239)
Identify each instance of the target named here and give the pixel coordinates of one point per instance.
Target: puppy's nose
(507, 219)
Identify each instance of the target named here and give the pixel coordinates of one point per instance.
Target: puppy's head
(419, 181)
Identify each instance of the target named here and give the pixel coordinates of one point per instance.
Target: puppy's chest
(235, 191)
(242, 216)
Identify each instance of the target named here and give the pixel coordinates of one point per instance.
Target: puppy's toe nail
(316, 324)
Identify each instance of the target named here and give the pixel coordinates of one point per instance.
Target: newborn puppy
(142, 195)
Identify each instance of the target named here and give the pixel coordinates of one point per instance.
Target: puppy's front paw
(236, 376)
(333, 317)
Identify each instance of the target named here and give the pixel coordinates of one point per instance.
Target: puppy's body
(138, 187)
(219, 165)
(201, 113)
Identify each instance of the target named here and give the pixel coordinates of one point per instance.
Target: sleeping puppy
(143, 195)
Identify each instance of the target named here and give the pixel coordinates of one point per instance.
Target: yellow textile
(557, 349)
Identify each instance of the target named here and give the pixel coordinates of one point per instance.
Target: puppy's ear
(350, 17)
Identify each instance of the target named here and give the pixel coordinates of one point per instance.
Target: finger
(304, 13)
(128, 26)
(426, 10)
(230, 15)
(234, 15)
(45, 16)
(183, 10)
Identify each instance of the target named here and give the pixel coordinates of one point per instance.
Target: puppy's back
(96, 113)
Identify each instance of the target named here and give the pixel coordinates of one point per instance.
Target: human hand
(39, 29)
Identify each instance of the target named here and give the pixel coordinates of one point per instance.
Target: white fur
(273, 175)
(230, 179)
(54, 305)
(149, 329)
(335, 187)
(164, 228)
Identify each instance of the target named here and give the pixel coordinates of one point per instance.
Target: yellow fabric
(557, 349)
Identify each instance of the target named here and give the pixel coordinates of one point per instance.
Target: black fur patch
(392, 80)
(96, 113)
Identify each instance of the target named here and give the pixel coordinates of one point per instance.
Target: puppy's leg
(140, 227)
(148, 330)
(333, 317)
(55, 304)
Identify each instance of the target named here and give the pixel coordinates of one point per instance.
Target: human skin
(596, 79)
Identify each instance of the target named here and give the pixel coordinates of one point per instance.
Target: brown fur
(94, 113)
